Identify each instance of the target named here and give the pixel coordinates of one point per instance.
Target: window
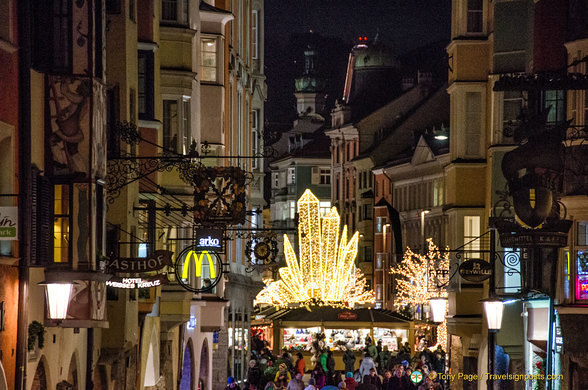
(276, 180)
(367, 211)
(555, 99)
(380, 222)
(367, 254)
(208, 62)
(471, 231)
(473, 123)
(325, 207)
(582, 261)
(292, 208)
(585, 107)
(52, 43)
(61, 223)
(256, 137)
(254, 35)
(176, 132)
(146, 90)
(475, 16)
(291, 175)
(325, 176)
(513, 104)
(132, 11)
(175, 11)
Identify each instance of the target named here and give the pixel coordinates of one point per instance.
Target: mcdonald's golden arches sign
(198, 270)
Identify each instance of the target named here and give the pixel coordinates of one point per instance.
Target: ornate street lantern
(438, 308)
(57, 295)
(493, 308)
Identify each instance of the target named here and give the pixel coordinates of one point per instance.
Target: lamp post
(57, 295)
(438, 308)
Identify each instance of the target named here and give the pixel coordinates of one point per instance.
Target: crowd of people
(378, 370)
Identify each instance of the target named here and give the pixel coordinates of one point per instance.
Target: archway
(152, 366)
(72, 374)
(3, 384)
(203, 374)
(187, 381)
(40, 378)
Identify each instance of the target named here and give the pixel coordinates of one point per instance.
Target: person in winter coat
(319, 376)
(366, 364)
(253, 374)
(349, 360)
(231, 384)
(323, 361)
(372, 351)
(282, 377)
(384, 358)
(373, 379)
(300, 365)
(350, 383)
(387, 382)
(296, 383)
(311, 385)
(331, 368)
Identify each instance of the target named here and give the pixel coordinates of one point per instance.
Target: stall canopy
(331, 314)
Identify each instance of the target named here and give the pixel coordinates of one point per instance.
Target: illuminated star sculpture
(325, 273)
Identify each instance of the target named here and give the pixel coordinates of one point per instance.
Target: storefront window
(393, 338)
(299, 338)
(582, 275)
(337, 338)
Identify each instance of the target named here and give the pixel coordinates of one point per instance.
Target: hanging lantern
(493, 308)
(57, 295)
(438, 308)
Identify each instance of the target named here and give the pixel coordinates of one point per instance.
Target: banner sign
(475, 270)
(198, 270)
(8, 223)
(148, 282)
(155, 262)
(210, 239)
(347, 316)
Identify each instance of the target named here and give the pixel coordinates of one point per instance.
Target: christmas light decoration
(325, 274)
(420, 278)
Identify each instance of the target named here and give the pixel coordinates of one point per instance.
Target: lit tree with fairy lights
(421, 277)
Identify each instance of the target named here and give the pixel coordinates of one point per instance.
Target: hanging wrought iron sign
(153, 281)
(475, 270)
(198, 271)
(210, 240)
(261, 250)
(154, 262)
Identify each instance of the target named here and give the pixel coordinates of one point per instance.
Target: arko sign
(210, 240)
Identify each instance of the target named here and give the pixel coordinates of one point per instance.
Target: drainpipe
(24, 185)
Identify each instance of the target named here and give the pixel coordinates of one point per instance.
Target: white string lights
(325, 274)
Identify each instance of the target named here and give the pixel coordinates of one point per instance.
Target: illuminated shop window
(61, 224)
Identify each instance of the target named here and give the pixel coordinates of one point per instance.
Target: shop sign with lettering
(198, 270)
(210, 240)
(8, 223)
(347, 316)
(154, 262)
(475, 270)
(154, 281)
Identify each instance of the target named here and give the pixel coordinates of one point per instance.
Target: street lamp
(493, 308)
(438, 308)
(58, 295)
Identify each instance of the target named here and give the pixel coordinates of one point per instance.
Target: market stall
(293, 329)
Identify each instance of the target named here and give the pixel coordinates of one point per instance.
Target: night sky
(402, 24)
